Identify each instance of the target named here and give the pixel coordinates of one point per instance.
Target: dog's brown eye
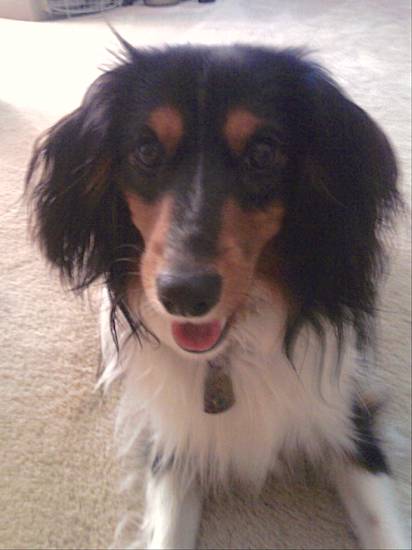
(149, 154)
(261, 155)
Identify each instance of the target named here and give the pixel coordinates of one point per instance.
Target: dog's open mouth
(198, 338)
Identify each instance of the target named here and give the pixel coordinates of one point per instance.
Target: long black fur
(340, 188)
(369, 453)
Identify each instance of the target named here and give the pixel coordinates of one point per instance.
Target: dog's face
(191, 175)
(204, 173)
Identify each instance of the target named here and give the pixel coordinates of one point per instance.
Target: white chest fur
(279, 407)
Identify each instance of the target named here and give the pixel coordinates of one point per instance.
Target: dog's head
(190, 174)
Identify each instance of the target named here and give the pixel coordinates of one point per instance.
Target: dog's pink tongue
(193, 337)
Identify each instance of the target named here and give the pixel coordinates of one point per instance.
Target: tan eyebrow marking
(240, 125)
(167, 123)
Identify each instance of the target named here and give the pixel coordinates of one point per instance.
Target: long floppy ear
(81, 219)
(345, 195)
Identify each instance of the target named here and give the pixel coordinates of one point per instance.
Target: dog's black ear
(80, 217)
(345, 195)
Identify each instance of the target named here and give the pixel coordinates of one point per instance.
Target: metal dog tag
(218, 393)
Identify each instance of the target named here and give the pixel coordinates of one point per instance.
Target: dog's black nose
(189, 294)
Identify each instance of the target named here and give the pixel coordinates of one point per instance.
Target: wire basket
(78, 7)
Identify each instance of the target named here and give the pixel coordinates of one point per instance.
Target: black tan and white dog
(233, 200)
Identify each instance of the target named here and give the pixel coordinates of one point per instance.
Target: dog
(233, 200)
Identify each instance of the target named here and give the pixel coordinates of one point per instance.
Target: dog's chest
(276, 409)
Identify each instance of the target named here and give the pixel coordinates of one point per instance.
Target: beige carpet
(58, 474)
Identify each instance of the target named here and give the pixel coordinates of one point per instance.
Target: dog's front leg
(173, 508)
(369, 500)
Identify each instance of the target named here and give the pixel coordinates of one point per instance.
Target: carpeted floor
(58, 473)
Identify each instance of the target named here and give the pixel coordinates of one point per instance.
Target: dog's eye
(261, 155)
(148, 154)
